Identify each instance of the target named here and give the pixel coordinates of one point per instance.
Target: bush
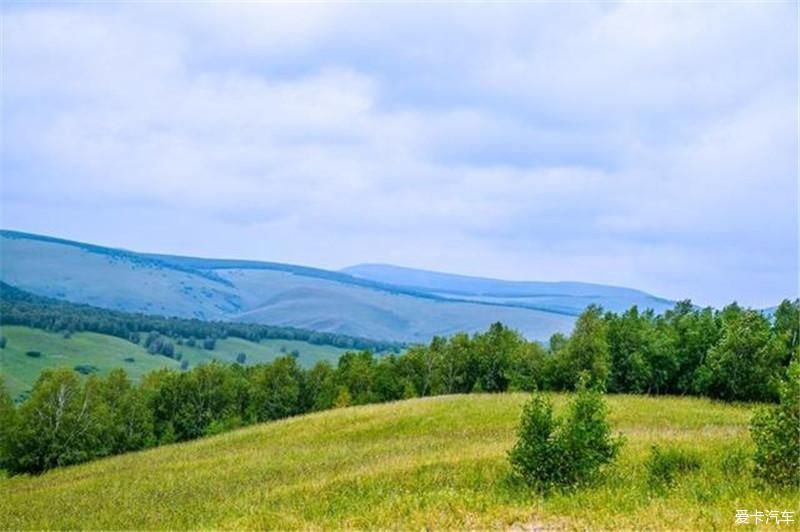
(535, 456)
(776, 433)
(85, 369)
(663, 466)
(552, 452)
(33, 354)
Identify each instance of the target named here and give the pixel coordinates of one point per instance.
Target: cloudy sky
(645, 145)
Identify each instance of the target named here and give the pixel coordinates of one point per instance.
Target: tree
(527, 371)
(786, 326)
(130, 417)
(586, 351)
(745, 364)
(355, 371)
(8, 425)
(62, 423)
(275, 390)
(776, 433)
(630, 344)
(496, 349)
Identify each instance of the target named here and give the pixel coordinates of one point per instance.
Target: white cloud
(649, 145)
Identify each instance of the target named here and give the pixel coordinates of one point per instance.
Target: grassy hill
(424, 463)
(369, 303)
(107, 352)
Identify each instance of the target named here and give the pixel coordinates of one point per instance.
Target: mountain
(397, 304)
(566, 297)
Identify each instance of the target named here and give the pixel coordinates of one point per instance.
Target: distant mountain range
(370, 300)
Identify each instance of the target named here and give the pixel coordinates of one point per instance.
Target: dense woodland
(734, 354)
(18, 307)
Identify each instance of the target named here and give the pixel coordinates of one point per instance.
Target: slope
(423, 463)
(100, 353)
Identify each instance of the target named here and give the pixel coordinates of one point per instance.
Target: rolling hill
(385, 303)
(566, 297)
(436, 463)
(100, 353)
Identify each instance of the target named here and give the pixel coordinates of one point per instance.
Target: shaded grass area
(437, 462)
(104, 353)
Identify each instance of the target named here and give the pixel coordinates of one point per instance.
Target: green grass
(99, 350)
(424, 463)
(108, 352)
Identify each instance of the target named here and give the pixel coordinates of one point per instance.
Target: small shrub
(564, 452)
(535, 456)
(664, 466)
(33, 354)
(776, 433)
(130, 359)
(185, 365)
(2, 342)
(85, 369)
(241, 358)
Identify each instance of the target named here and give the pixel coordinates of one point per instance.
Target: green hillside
(105, 353)
(424, 463)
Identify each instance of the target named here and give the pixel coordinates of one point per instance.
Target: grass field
(108, 352)
(436, 463)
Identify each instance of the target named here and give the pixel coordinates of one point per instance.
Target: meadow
(105, 353)
(422, 463)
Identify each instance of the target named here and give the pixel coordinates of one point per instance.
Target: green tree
(275, 389)
(61, 423)
(527, 367)
(630, 344)
(786, 327)
(130, 420)
(496, 349)
(355, 372)
(745, 364)
(586, 351)
(8, 425)
(776, 433)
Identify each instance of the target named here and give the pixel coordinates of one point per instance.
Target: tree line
(731, 354)
(18, 307)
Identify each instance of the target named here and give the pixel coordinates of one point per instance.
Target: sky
(648, 145)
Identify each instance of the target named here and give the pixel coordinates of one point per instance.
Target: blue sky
(651, 145)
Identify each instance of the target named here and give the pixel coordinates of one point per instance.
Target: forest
(18, 307)
(733, 354)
